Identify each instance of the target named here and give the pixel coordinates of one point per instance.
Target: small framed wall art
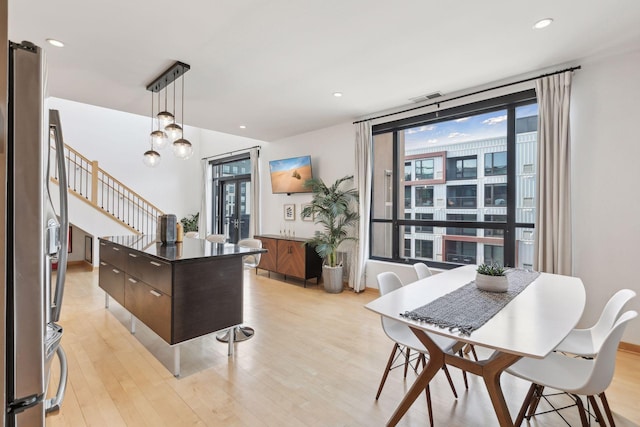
(289, 212)
(307, 218)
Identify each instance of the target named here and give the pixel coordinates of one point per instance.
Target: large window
(457, 186)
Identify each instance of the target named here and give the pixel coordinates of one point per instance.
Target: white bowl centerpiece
(492, 278)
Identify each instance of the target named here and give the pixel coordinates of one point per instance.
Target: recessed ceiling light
(56, 43)
(542, 23)
(242, 127)
(337, 94)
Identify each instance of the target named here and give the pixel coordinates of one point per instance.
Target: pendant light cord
(182, 108)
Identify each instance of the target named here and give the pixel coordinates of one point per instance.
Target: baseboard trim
(631, 348)
(80, 265)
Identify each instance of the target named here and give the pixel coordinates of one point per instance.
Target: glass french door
(235, 208)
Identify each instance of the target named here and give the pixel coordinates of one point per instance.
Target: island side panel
(207, 296)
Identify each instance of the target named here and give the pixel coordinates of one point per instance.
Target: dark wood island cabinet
(180, 291)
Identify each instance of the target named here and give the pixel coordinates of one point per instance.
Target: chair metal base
(241, 333)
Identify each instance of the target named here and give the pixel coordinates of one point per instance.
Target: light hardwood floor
(316, 360)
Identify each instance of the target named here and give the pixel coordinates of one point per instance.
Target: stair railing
(87, 181)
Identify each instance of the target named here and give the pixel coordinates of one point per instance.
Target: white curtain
(553, 193)
(363, 154)
(254, 211)
(204, 223)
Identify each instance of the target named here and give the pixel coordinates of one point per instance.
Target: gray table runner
(467, 308)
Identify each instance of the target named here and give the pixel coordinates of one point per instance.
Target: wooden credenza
(289, 257)
(179, 291)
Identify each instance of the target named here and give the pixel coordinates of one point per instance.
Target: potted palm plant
(335, 209)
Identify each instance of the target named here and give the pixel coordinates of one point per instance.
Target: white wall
(332, 157)
(606, 173)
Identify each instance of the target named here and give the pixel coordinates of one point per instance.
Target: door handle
(157, 264)
(133, 280)
(133, 255)
(155, 293)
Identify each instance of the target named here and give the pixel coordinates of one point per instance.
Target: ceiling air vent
(427, 97)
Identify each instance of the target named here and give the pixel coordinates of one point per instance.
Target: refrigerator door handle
(56, 129)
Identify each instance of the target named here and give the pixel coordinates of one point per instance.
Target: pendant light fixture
(173, 130)
(151, 157)
(158, 137)
(168, 129)
(165, 118)
(182, 148)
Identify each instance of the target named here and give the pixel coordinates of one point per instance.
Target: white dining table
(530, 325)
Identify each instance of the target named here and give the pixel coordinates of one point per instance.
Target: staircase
(92, 185)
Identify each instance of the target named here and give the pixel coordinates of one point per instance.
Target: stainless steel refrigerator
(34, 237)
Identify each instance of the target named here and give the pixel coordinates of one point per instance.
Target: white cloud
(420, 129)
(432, 141)
(457, 134)
(495, 120)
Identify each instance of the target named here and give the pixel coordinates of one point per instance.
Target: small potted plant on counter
(190, 223)
(492, 278)
(335, 209)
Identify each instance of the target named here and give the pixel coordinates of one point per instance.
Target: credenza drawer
(113, 255)
(150, 270)
(149, 305)
(111, 279)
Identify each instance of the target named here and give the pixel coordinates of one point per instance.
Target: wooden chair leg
(583, 412)
(406, 360)
(607, 410)
(427, 392)
(453, 387)
(473, 351)
(596, 409)
(396, 347)
(535, 401)
(464, 373)
(525, 405)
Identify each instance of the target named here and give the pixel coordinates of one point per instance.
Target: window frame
(507, 102)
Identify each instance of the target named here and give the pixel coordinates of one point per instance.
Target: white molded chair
(251, 261)
(574, 375)
(422, 270)
(216, 238)
(405, 341)
(585, 342)
(192, 234)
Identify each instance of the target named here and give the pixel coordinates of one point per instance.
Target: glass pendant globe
(151, 158)
(159, 139)
(182, 149)
(174, 131)
(165, 118)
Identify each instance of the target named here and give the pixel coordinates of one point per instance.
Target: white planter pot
(332, 279)
(492, 283)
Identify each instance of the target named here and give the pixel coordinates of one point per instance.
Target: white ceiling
(273, 65)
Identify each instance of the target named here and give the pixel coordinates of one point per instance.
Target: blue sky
(288, 164)
(482, 126)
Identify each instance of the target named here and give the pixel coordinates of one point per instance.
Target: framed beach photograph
(289, 212)
(308, 218)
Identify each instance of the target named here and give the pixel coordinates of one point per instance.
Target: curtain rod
(470, 94)
(232, 152)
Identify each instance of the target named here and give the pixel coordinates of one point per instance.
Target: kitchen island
(180, 291)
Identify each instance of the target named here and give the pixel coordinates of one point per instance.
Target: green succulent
(491, 269)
